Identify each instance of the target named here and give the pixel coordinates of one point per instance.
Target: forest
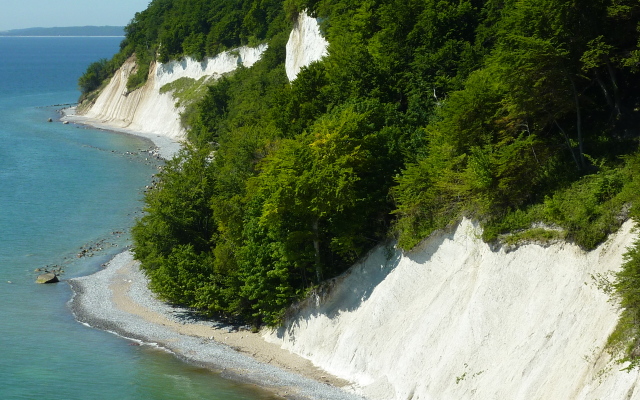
(521, 114)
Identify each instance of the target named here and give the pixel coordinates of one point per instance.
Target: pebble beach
(117, 299)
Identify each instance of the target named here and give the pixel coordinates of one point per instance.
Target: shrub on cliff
(95, 75)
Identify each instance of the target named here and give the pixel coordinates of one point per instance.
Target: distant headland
(67, 31)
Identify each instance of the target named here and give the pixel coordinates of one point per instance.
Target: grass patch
(586, 212)
(534, 235)
(187, 92)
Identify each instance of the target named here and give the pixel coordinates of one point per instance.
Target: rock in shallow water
(49, 277)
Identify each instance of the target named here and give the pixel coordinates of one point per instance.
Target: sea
(68, 198)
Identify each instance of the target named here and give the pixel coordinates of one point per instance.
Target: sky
(18, 14)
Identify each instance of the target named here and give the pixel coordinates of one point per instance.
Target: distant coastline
(68, 31)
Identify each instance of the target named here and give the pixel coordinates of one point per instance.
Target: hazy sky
(17, 14)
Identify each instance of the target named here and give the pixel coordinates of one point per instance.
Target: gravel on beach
(94, 304)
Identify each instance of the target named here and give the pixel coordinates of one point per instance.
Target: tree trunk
(616, 92)
(605, 91)
(566, 137)
(316, 246)
(578, 124)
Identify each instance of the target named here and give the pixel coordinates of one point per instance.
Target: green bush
(95, 75)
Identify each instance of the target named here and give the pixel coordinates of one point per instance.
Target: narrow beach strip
(117, 299)
(167, 146)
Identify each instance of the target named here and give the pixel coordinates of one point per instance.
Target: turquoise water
(62, 188)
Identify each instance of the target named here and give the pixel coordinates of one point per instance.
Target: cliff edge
(306, 45)
(454, 319)
(149, 110)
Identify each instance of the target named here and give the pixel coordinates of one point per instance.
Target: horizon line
(61, 36)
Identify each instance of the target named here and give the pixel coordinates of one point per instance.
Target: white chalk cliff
(306, 45)
(146, 110)
(454, 319)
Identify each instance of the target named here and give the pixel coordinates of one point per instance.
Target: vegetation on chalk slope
(187, 92)
(170, 29)
(513, 112)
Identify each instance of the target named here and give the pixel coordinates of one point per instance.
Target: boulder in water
(49, 277)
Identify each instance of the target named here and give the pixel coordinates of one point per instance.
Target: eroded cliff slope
(148, 110)
(454, 319)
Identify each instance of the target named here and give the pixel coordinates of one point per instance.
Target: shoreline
(116, 299)
(167, 146)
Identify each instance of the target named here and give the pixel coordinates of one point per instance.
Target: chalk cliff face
(147, 110)
(305, 45)
(455, 320)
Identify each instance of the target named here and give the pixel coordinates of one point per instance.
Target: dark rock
(49, 277)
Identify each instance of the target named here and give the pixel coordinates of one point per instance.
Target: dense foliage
(513, 112)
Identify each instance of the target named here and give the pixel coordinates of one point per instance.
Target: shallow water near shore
(67, 190)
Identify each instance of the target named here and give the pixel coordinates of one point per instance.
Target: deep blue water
(63, 187)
